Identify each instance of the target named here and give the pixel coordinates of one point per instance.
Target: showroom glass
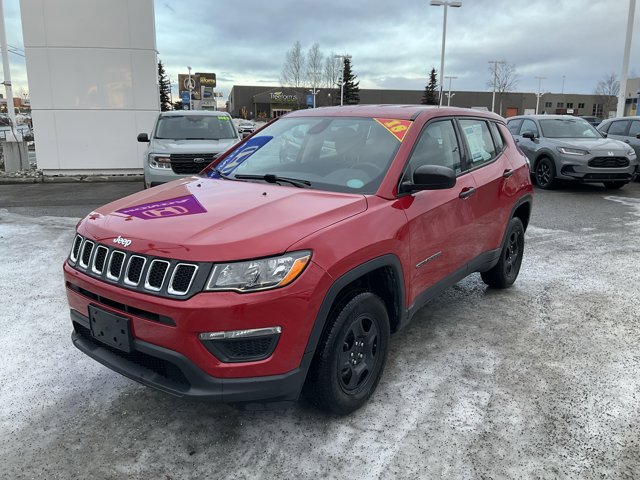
(568, 128)
(342, 154)
(194, 127)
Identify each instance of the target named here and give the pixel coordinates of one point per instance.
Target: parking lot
(538, 381)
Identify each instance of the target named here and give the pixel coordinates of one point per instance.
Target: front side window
(530, 127)
(618, 128)
(437, 145)
(479, 140)
(344, 154)
(568, 128)
(195, 127)
(514, 126)
(634, 129)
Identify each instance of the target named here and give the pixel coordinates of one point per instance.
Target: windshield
(195, 127)
(340, 154)
(568, 128)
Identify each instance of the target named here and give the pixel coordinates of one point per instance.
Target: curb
(72, 179)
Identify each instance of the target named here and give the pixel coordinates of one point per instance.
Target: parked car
(183, 142)
(563, 147)
(246, 128)
(595, 121)
(626, 129)
(260, 278)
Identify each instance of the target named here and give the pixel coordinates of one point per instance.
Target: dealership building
(264, 102)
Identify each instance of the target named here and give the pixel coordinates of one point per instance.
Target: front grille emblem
(125, 242)
(198, 160)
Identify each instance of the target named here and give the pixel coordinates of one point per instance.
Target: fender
(389, 260)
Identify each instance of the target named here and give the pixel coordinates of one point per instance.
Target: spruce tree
(351, 87)
(165, 88)
(431, 93)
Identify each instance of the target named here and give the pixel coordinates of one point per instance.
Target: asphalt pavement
(537, 381)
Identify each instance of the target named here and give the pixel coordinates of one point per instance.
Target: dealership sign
(281, 97)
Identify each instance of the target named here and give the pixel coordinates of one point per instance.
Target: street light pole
(495, 80)
(190, 89)
(449, 95)
(314, 91)
(539, 94)
(441, 3)
(342, 59)
(625, 61)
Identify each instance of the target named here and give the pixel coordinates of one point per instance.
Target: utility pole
(449, 95)
(539, 94)
(625, 60)
(495, 81)
(342, 59)
(5, 68)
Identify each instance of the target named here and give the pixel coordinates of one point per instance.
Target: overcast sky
(393, 44)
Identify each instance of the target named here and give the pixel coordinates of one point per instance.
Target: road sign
(185, 97)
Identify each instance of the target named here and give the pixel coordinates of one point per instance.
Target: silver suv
(563, 147)
(183, 142)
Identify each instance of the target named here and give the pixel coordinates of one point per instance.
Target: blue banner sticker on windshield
(229, 164)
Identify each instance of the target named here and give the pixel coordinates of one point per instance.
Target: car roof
(400, 112)
(544, 117)
(210, 113)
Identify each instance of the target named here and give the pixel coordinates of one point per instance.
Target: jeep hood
(202, 219)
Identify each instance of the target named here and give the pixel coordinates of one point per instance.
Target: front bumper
(173, 373)
(165, 335)
(569, 169)
(157, 176)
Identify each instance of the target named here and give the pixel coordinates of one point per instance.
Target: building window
(569, 104)
(581, 105)
(597, 110)
(548, 104)
(560, 104)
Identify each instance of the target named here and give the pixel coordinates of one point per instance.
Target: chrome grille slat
(99, 259)
(75, 249)
(182, 274)
(135, 266)
(156, 275)
(85, 255)
(116, 261)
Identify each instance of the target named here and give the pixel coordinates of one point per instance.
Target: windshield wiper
(271, 178)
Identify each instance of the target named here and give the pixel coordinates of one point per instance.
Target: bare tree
(293, 69)
(505, 77)
(332, 71)
(607, 91)
(314, 66)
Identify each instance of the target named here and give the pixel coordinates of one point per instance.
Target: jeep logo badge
(198, 160)
(125, 242)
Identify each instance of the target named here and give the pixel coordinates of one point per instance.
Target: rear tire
(350, 356)
(614, 185)
(545, 173)
(505, 272)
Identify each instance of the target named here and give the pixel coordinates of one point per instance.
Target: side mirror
(529, 135)
(637, 135)
(430, 177)
(605, 134)
(143, 137)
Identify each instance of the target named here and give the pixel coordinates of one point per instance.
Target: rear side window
(479, 141)
(497, 136)
(618, 128)
(635, 128)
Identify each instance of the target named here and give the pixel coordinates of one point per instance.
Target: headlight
(260, 274)
(159, 161)
(572, 151)
(631, 153)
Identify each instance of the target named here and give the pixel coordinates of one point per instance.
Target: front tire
(505, 272)
(545, 173)
(351, 355)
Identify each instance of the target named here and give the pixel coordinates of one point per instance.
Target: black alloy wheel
(351, 355)
(505, 272)
(545, 173)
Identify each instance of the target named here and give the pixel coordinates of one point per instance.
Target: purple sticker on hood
(173, 207)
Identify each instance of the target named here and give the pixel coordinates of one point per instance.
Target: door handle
(507, 173)
(467, 192)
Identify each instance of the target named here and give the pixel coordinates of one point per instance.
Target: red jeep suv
(285, 265)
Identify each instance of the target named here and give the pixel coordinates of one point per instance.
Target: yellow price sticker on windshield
(398, 128)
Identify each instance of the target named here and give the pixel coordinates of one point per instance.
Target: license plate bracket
(110, 329)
